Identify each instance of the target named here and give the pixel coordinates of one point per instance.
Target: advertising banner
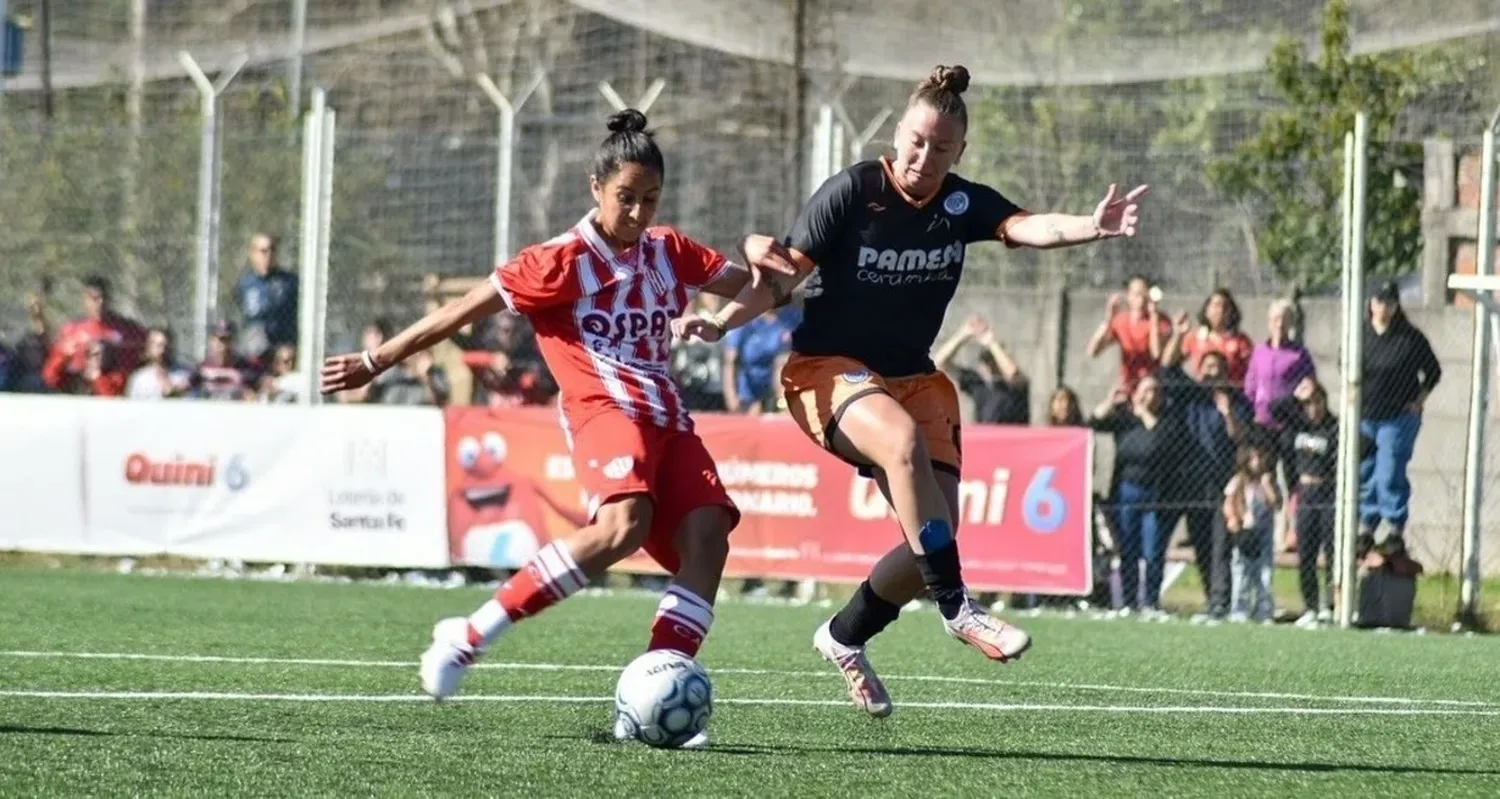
(41, 473)
(346, 485)
(1024, 500)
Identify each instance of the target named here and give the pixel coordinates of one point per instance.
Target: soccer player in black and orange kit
(881, 246)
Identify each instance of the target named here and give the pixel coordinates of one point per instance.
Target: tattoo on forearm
(779, 295)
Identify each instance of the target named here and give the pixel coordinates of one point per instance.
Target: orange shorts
(615, 457)
(819, 388)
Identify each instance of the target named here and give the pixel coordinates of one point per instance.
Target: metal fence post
(1353, 368)
(505, 154)
(210, 178)
(1479, 388)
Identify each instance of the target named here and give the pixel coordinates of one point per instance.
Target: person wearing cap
(223, 375)
(1399, 370)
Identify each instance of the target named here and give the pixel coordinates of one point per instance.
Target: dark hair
(1075, 413)
(943, 92)
(628, 143)
(1319, 392)
(1248, 450)
(382, 326)
(98, 283)
(1216, 355)
(1232, 316)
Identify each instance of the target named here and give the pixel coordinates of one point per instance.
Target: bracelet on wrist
(371, 365)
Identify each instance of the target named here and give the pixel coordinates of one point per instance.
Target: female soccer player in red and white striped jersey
(601, 297)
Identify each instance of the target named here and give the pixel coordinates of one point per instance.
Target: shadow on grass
(979, 753)
(17, 729)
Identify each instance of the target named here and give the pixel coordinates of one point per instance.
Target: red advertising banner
(1025, 500)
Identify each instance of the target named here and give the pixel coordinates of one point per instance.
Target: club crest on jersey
(618, 468)
(956, 203)
(855, 378)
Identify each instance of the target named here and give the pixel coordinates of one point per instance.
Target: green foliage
(83, 196)
(1290, 175)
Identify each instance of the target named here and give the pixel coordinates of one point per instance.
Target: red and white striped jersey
(602, 318)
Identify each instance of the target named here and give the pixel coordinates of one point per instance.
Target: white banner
(337, 485)
(41, 473)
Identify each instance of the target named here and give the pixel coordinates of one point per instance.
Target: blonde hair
(1285, 306)
(942, 90)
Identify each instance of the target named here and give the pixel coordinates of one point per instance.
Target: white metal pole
(822, 148)
(505, 154)
(206, 285)
(210, 165)
(1353, 377)
(307, 258)
(1479, 387)
(299, 44)
(1348, 424)
(325, 235)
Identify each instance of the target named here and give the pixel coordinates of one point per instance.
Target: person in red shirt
(601, 297)
(95, 354)
(1217, 330)
(1137, 327)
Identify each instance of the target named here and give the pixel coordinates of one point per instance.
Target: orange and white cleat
(865, 687)
(991, 636)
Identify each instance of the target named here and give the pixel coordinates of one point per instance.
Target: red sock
(548, 578)
(682, 622)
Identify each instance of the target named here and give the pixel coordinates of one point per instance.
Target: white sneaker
(1307, 620)
(865, 687)
(1325, 616)
(991, 636)
(444, 663)
(1238, 617)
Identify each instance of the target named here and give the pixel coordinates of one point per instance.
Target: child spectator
(1217, 329)
(1251, 501)
(160, 376)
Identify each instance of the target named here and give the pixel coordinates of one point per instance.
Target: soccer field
(168, 685)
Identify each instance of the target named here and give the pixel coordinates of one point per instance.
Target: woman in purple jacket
(1277, 365)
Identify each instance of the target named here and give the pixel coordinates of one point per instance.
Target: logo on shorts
(618, 468)
(956, 203)
(855, 378)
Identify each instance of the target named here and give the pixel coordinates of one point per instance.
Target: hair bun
(950, 79)
(633, 121)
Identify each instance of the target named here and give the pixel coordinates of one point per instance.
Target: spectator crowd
(1214, 431)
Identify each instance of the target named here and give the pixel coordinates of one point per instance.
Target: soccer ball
(664, 698)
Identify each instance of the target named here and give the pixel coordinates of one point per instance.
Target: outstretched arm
(344, 372)
(1115, 216)
(774, 272)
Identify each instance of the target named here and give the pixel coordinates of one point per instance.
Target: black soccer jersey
(887, 266)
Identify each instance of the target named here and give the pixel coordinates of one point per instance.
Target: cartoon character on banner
(497, 513)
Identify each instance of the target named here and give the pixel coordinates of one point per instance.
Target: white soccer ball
(664, 698)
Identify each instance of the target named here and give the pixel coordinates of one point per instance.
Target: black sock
(863, 617)
(944, 577)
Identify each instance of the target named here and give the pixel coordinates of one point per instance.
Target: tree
(1289, 177)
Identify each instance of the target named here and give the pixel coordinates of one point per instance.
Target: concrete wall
(1047, 333)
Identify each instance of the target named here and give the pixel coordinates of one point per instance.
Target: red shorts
(615, 457)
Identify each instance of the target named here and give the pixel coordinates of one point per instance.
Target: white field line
(766, 702)
(502, 666)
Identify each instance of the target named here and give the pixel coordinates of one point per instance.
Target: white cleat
(865, 687)
(699, 741)
(996, 639)
(444, 663)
